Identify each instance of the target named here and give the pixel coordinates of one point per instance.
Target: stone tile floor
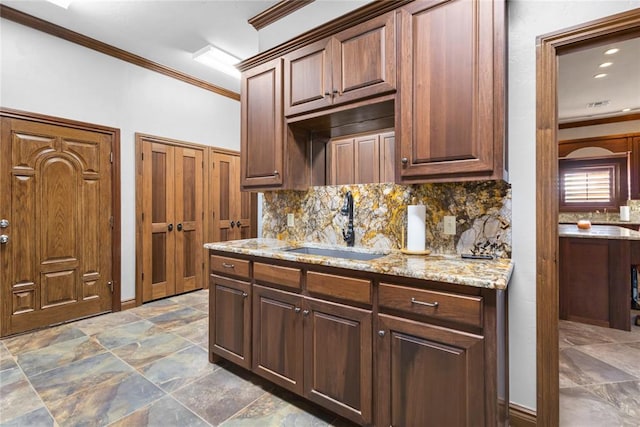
(147, 366)
(599, 375)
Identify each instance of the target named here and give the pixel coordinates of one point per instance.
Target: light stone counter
(599, 218)
(492, 274)
(598, 232)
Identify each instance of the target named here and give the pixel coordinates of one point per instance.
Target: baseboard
(519, 416)
(128, 304)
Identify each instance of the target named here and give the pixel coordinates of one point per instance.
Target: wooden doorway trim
(617, 27)
(116, 252)
(206, 224)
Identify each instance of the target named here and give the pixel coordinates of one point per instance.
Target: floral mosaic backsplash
(482, 210)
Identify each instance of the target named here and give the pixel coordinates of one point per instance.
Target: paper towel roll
(416, 227)
(624, 213)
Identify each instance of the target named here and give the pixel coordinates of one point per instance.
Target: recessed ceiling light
(218, 59)
(611, 51)
(62, 3)
(624, 110)
(599, 76)
(606, 64)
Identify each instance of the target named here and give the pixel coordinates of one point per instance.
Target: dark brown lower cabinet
(230, 327)
(277, 337)
(428, 375)
(337, 358)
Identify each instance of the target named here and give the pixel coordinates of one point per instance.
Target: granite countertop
(598, 218)
(599, 232)
(492, 274)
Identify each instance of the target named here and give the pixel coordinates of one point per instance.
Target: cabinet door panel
(338, 358)
(277, 337)
(429, 375)
(262, 136)
(367, 159)
(446, 114)
(307, 76)
(342, 162)
(230, 320)
(364, 59)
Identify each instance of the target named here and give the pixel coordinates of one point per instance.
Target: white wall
(302, 20)
(47, 75)
(600, 130)
(528, 19)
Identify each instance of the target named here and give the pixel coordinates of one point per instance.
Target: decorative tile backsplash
(482, 210)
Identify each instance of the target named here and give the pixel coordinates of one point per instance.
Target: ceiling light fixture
(62, 3)
(599, 76)
(611, 51)
(606, 64)
(218, 59)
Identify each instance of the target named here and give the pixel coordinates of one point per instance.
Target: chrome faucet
(347, 209)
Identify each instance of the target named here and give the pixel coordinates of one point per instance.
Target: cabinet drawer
(229, 266)
(285, 276)
(442, 305)
(347, 288)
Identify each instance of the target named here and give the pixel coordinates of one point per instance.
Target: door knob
(4, 239)
(4, 223)
(381, 333)
(170, 227)
(179, 227)
(232, 224)
(404, 160)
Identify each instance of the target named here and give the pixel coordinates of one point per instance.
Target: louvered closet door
(189, 217)
(56, 195)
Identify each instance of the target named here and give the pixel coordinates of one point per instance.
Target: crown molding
(88, 42)
(276, 12)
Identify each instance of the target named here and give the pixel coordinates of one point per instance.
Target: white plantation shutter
(588, 184)
(594, 183)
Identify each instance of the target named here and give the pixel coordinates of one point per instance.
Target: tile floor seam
(243, 409)
(44, 404)
(185, 384)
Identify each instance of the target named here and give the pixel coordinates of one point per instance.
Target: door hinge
(141, 156)
(142, 278)
(111, 157)
(203, 265)
(110, 284)
(202, 214)
(143, 216)
(111, 221)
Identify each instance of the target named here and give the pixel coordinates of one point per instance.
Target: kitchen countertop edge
(490, 274)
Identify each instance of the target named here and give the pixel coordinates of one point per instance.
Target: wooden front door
(172, 219)
(231, 207)
(57, 197)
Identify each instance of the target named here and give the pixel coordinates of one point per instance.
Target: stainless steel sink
(336, 253)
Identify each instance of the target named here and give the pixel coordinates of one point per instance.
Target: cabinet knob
(305, 313)
(327, 94)
(275, 172)
(244, 295)
(170, 227)
(232, 224)
(297, 309)
(404, 160)
(381, 333)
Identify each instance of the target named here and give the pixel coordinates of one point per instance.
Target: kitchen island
(596, 274)
(395, 340)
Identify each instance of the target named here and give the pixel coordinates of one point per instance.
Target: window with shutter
(590, 184)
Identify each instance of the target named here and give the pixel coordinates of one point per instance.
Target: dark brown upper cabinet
(356, 63)
(262, 134)
(450, 113)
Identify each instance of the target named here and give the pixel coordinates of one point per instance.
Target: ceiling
(164, 31)
(577, 88)
(170, 31)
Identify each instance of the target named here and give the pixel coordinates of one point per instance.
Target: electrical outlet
(449, 225)
(290, 220)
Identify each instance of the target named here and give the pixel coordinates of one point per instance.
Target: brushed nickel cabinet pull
(428, 304)
(226, 265)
